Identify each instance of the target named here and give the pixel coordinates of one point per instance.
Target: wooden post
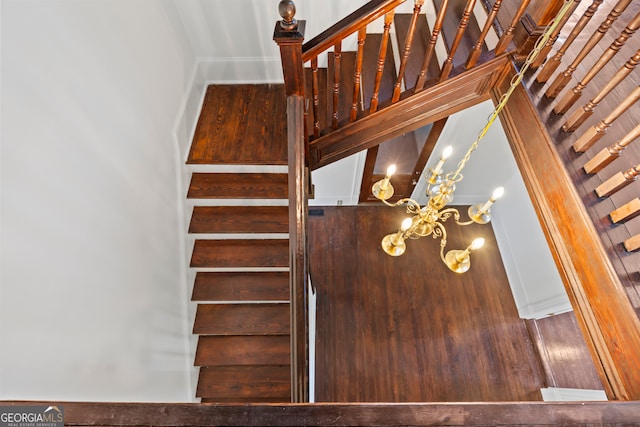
(552, 63)
(507, 37)
(477, 48)
(626, 212)
(535, 30)
(289, 34)
(618, 181)
(581, 114)
(594, 133)
(562, 79)
(464, 21)
(407, 50)
(574, 94)
(609, 154)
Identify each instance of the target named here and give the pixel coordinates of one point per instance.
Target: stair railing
(341, 102)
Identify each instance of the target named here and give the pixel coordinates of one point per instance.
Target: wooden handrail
(343, 414)
(347, 26)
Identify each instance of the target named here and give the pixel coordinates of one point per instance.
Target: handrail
(347, 26)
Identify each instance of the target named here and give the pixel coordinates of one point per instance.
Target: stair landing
(242, 125)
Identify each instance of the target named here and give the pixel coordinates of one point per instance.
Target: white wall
(535, 282)
(92, 296)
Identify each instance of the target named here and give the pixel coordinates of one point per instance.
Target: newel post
(289, 34)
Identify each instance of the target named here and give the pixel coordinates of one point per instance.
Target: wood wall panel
(407, 328)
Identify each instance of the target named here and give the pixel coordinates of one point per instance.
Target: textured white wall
(92, 298)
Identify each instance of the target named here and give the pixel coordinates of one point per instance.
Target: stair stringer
(467, 88)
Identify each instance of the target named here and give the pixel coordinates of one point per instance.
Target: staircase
(241, 248)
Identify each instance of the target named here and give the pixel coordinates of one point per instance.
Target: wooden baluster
(544, 52)
(407, 50)
(464, 21)
(431, 44)
(508, 34)
(626, 212)
(574, 94)
(316, 97)
(632, 243)
(609, 154)
(596, 132)
(337, 56)
(477, 48)
(581, 114)
(562, 79)
(362, 35)
(382, 53)
(552, 64)
(618, 181)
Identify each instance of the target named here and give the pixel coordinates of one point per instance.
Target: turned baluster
(382, 53)
(362, 35)
(632, 243)
(544, 52)
(596, 132)
(552, 63)
(337, 57)
(626, 212)
(563, 78)
(315, 90)
(431, 45)
(477, 48)
(609, 154)
(407, 50)
(574, 94)
(618, 181)
(508, 34)
(464, 21)
(581, 114)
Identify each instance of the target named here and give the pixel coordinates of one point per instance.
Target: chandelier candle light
(429, 219)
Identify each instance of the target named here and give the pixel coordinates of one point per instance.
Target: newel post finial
(287, 9)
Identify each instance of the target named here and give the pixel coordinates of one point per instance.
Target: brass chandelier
(428, 220)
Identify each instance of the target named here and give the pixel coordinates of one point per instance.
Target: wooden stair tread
(241, 124)
(238, 186)
(242, 319)
(241, 382)
(239, 219)
(241, 286)
(450, 27)
(369, 63)
(241, 253)
(243, 350)
(418, 47)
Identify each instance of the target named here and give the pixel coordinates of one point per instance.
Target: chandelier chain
(515, 81)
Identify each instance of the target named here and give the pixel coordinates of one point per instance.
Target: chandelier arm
(465, 223)
(515, 81)
(443, 240)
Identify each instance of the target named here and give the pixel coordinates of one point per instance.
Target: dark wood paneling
(243, 350)
(241, 286)
(245, 382)
(241, 253)
(379, 414)
(407, 328)
(238, 186)
(241, 124)
(242, 319)
(239, 219)
(564, 355)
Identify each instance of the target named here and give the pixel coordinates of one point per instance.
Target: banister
(347, 26)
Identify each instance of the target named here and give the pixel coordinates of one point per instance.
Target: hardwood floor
(407, 329)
